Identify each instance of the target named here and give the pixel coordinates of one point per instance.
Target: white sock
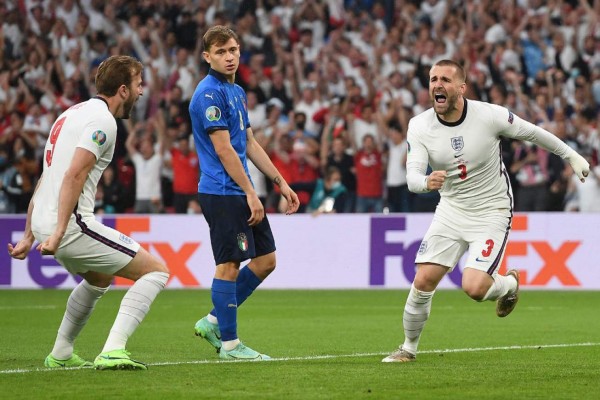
(416, 313)
(502, 285)
(230, 344)
(134, 307)
(212, 319)
(79, 308)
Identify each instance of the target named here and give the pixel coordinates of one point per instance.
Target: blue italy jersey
(218, 105)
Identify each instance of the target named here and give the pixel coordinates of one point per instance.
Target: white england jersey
(469, 151)
(88, 125)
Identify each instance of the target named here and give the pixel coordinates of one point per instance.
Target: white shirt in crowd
(587, 195)
(396, 169)
(147, 176)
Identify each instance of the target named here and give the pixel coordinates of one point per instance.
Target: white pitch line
(327, 356)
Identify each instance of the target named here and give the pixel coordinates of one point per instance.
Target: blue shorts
(231, 237)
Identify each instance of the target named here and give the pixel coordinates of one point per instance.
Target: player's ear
(123, 90)
(206, 57)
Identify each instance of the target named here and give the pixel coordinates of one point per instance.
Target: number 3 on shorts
(490, 247)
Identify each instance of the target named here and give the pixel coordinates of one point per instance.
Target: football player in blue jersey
(239, 228)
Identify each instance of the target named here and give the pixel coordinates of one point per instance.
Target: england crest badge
(457, 143)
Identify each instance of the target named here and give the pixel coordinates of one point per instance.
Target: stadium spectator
(365, 53)
(369, 177)
(184, 162)
(338, 157)
(6, 173)
(303, 167)
(365, 124)
(399, 198)
(583, 197)
(148, 164)
(281, 156)
(530, 165)
(112, 192)
(257, 112)
(280, 90)
(327, 194)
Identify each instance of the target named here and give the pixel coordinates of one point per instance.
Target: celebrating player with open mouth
(460, 140)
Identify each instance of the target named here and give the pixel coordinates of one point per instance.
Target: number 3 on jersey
(463, 171)
(53, 136)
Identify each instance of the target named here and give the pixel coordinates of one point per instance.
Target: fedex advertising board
(551, 251)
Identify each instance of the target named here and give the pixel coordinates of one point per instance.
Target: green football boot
(117, 359)
(210, 332)
(241, 352)
(74, 362)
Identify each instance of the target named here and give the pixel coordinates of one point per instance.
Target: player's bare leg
(480, 286)
(503, 288)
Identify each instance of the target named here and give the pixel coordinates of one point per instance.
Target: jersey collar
(460, 120)
(217, 75)
(101, 98)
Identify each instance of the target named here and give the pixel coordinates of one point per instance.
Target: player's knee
(269, 269)
(102, 282)
(161, 267)
(264, 265)
(423, 284)
(266, 269)
(269, 266)
(152, 264)
(476, 292)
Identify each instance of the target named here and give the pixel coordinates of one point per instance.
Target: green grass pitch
(326, 345)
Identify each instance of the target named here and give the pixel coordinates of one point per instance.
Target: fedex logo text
(555, 258)
(46, 272)
(176, 260)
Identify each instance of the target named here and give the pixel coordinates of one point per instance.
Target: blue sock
(245, 284)
(223, 298)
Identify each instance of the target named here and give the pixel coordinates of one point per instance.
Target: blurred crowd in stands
(331, 86)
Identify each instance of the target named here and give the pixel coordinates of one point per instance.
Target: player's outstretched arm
(525, 130)
(579, 164)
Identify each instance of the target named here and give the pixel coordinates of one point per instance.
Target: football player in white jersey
(60, 217)
(460, 140)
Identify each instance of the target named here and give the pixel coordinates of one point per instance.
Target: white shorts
(451, 234)
(95, 248)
